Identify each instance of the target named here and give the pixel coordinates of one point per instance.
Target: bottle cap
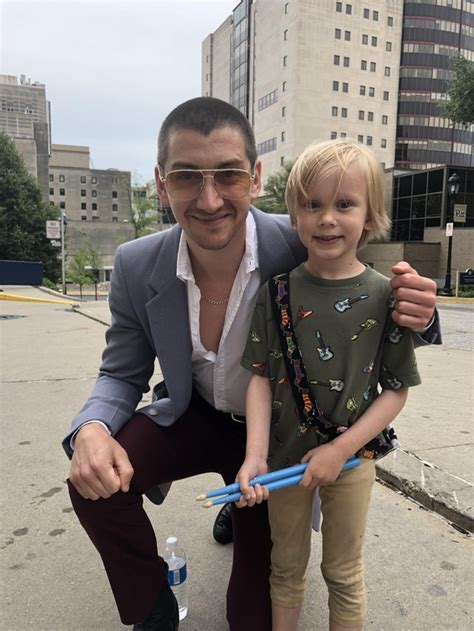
(171, 541)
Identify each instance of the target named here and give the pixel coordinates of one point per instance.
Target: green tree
(460, 105)
(94, 257)
(23, 214)
(144, 207)
(274, 199)
(79, 270)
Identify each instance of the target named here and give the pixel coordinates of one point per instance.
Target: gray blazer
(149, 311)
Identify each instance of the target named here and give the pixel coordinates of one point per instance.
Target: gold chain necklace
(211, 301)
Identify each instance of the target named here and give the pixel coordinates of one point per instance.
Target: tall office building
(433, 34)
(302, 71)
(25, 117)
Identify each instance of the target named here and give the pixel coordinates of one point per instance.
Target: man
(186, 296)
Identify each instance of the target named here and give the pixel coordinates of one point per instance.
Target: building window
(366, 13)
(343, 134)
(62, 191)
(83, 206)
(286, 8)
(94, 206)
(336, 60)
(371, 91)
(347, 36)
(285, 59)
(349, 9)
(283, 111)
(335, 86)
(390, 20)
(285, 34)
(114, 219)
(114, 194)
(361, 115)
(346, 62)
(62, 205)
(363, 64)
(282, 160)
(387, 71)
(94, 193)
(51, 177)
(385, 95)
(370, 116)
(373, 66)
(333, 135)
(114, 180)
(375, 16)
(383, 143)
(374, 41)
(283, 86)
(334, 110)
(95, 217)
(62, 178)
(114, 208)
(83, 192)
(283, 136)
(344, 112)
(384, 119)
(51, 203)
(83, 217)
(51, 191)
(338, 7)
(345, 87)
(362, 90)
(93, 180)
(360, 138)
(267, 146)
(369, 140)
(388, 46)
(267, 100)
(337, 33)
(365, 39)
(83, 179)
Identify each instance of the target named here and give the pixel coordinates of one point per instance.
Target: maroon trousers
(201, 441)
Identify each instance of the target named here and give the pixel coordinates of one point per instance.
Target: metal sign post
(63, 270)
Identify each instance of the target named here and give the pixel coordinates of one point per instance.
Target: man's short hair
(204, 114)
(323, 158)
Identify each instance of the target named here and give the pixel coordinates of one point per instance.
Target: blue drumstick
(231, 492)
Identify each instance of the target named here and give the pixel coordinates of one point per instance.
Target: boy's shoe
(222, 531)
(165, 613)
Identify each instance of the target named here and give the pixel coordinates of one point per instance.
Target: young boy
(341, 312)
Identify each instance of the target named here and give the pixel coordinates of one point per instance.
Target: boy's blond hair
(321, 159)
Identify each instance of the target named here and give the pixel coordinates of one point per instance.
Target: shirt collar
(184, 270)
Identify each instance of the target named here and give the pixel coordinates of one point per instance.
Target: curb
(91, 316)
(433, 488)
(58, 294)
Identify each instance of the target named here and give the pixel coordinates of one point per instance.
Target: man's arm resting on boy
(258, 410)
(326, 461)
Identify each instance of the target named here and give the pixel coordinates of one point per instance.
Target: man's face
(209, 221)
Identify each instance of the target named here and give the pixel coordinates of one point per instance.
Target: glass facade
(239, 59)
(434, 32)
(420, 200)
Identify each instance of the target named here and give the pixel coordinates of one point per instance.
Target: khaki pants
(344, 506)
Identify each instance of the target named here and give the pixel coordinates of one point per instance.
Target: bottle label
(176, 577)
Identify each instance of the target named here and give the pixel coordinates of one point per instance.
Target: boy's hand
(251, 495)
(415, 297)
(324, 465)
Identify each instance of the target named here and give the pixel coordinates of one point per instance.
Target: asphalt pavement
(418, 551)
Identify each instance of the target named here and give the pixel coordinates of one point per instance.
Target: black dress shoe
(165, 613)
(222, 531)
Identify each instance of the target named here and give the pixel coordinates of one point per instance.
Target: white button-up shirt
(219, 377)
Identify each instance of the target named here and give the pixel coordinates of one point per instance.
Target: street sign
(53, 229)
(460, 212)
(449, 229)
(55, 243)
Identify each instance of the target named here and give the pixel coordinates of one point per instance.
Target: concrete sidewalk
(435, 464)
(419, 568)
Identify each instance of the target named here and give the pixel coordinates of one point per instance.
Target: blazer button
(152, 411)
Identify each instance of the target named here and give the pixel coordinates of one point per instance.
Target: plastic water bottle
(177, 574)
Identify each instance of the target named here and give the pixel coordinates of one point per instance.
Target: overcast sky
(112, 70)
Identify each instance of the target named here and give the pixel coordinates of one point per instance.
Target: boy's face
(332, 223)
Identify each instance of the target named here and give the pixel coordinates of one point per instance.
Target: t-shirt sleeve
(399, 368)
(255, 357)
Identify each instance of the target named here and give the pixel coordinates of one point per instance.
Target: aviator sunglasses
(187, 184)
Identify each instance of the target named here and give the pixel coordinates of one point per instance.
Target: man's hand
(100, 466)
(415, 297)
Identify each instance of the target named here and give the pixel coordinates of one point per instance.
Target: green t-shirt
(349, 343)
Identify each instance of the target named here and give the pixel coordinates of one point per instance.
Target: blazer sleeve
(127, 363)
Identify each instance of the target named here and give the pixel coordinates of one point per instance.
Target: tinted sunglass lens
(232, 183)
(184, 184)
